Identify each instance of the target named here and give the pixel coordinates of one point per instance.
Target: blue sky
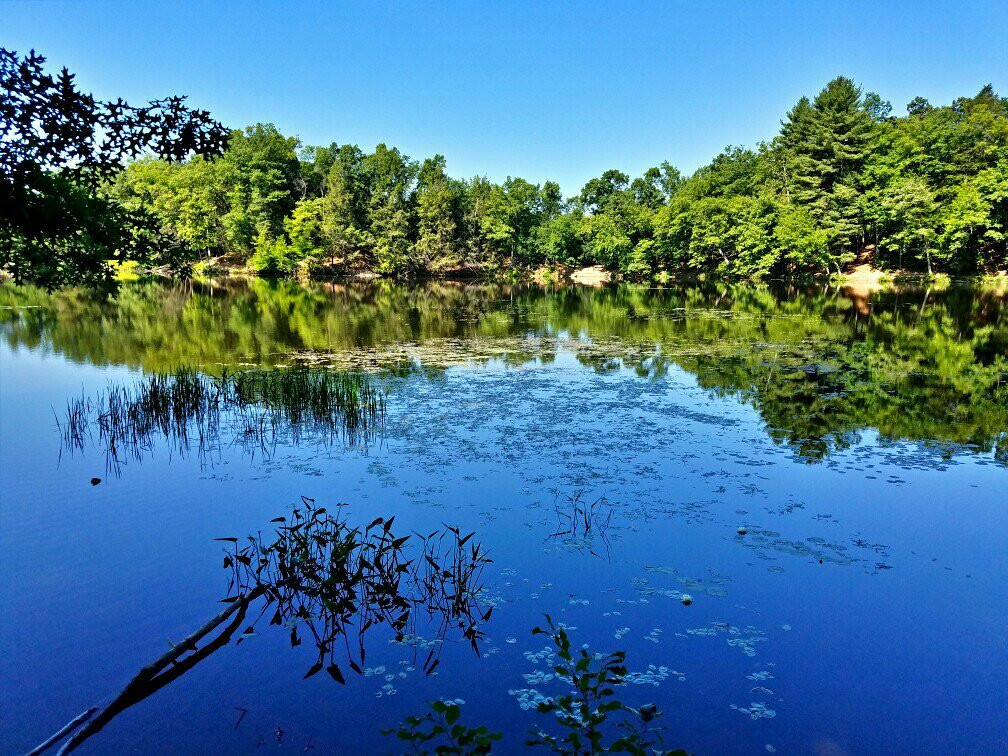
(543, 90)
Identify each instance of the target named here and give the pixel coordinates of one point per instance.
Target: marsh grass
(188, 409)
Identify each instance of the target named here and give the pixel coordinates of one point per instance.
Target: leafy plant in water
(579, 522)
(593, 719)
(439, 731)
(330, 578)
(338, 582)
(588, 714)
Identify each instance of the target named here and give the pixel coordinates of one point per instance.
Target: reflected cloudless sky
(540, 90)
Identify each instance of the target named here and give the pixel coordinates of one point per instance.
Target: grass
(187, 407)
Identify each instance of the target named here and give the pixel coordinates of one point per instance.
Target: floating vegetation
(258, 408)
(742, 638)
(653, 675)
(587, 716)
(529, 699)
(760, 675)
(764, 542)
(756, 711)
(336, 581)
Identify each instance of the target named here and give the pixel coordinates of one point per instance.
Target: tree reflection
(820, 364)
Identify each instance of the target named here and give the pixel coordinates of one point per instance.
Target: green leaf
(452, 714)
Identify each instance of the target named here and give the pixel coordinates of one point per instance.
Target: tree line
(843, 178)
(925, 191)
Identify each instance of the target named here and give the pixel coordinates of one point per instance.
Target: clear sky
(543, 90)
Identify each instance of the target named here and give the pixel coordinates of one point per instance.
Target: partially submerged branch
(324, 575)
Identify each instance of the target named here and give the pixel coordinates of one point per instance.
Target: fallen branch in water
(329, 577)
(153, 677)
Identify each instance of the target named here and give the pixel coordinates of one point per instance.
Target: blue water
(865, 610)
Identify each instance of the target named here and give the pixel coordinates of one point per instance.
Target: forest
(844, 179)
(928, 190)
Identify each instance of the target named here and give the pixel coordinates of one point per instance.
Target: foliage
(843, 178)
(60, 150)
(439, 731)
(590, 713)
(937, 369)
(185, 406)
(332, 579)
(590, 716)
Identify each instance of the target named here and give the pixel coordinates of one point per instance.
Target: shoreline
(860, 276)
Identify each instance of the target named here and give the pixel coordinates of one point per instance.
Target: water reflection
(821, 365)
(327, 581)
(334, 580)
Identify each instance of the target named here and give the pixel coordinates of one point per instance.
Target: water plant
(440, 730)
(591, 718)
(187, 407)
(334, 580)
(580, 521)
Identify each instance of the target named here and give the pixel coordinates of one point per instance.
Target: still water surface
(860, 441)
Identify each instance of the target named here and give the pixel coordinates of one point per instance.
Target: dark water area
(822, 473)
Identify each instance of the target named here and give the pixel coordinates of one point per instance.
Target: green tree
(910, 208)
(437, 207)
(60, 150)
(345, 224)
(258, 175)
(390, 177)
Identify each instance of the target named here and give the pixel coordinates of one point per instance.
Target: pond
(788, 506)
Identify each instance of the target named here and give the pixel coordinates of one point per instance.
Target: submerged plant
(592, 719)
(439, 731)
(580, 522)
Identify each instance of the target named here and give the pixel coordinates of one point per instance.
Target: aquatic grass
(306, 397)
(580, 521)
(187, 407)
(75, 428)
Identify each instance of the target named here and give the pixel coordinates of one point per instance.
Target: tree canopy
(844, 179)
(60, 151)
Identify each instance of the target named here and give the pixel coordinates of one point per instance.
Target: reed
(258, 407)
